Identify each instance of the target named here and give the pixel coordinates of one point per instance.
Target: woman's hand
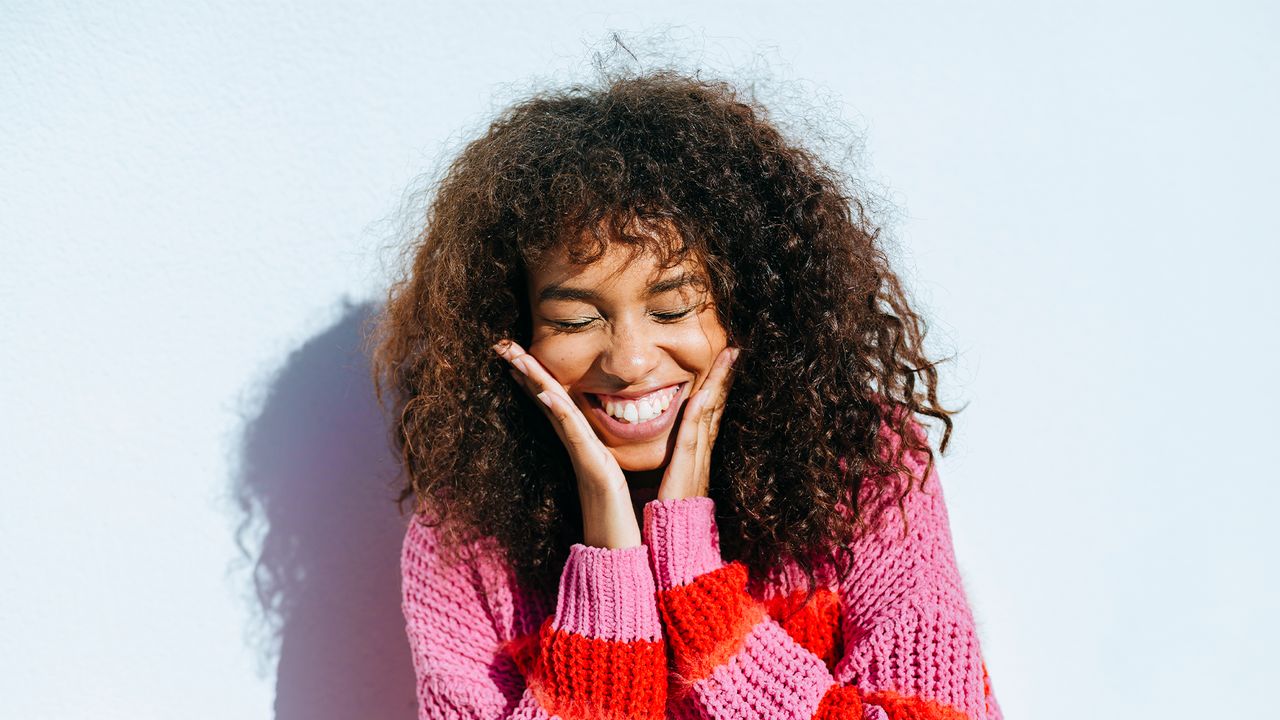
(689, 472)
(608, 519)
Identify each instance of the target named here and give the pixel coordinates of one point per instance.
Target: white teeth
(643, 411)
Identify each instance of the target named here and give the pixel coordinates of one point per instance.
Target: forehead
(649, 254)
(621, 272)
(619, 264)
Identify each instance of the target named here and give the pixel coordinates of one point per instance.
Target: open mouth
(637, 418)
(637, 410)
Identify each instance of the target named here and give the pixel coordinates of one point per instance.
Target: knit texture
(670, 629)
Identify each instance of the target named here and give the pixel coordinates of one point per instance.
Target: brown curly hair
(799, 276)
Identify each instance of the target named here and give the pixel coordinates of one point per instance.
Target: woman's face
(625, 339)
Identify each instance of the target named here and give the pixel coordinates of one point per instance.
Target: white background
(199, 204)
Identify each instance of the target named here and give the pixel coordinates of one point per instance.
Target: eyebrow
(556, 291)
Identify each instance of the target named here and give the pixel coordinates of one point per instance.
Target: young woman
(656, 391)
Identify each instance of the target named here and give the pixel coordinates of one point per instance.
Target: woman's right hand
(608, 517)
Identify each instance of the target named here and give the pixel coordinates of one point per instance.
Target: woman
(655, 387)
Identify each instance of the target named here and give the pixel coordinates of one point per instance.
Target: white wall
(194, 205)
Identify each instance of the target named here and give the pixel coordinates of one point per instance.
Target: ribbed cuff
(683, 539)
(609, 594)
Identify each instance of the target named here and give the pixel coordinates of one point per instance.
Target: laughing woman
(657, 395)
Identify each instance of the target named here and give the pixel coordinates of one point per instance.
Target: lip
(635, 395)
(638, 431)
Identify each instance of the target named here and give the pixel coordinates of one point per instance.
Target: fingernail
(736, 353)
(545, 398)
(520, 363)
(501, 346)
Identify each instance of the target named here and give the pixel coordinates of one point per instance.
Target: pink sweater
(671, 630)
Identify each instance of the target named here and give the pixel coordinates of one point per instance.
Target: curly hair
(831, 348)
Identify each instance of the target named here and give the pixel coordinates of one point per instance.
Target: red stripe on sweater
(986, 688)
(579, 678)
(841, 702)
(846, 702)
(815, 625)
(910, 707)
(707, 620)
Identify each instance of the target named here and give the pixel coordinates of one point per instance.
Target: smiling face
(629, 341)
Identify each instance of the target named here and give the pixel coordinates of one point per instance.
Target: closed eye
(673, 316)
(572, 325)
(669, 316)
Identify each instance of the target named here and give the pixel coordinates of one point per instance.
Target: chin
(639, 459)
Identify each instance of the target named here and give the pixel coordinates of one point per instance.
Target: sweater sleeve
(600, 655)
(910, 647)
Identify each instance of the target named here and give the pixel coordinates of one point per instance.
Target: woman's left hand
(689, 472)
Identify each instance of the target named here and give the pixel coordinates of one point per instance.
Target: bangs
(584, 236)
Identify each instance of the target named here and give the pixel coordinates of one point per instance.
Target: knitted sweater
(670, 629)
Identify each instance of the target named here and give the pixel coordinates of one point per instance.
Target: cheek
(566, 357)
(714, 335)
(697, 348)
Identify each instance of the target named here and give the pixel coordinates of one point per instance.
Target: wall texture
(197, 206)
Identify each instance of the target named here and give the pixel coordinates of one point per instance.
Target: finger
(721, 376)
(539, 377)
(712, 426)
(541, 381)
(692, 472)
(718, 411)
(509, 351)
(715, 389)
(684, 455)
(702, 455)
(699, 425)
(706, 404)
(527, 365)
(707, 440)
(532, 392)
(564, 410)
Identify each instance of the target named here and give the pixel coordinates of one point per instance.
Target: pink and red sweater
(669, 629)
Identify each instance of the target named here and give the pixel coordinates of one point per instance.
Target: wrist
(683, 539)
(609, 521)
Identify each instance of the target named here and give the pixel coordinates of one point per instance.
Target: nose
(631, 353)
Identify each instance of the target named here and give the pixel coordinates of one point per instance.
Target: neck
(643, 485)
(639, 479)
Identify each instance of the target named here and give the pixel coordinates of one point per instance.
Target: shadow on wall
(318, 525)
